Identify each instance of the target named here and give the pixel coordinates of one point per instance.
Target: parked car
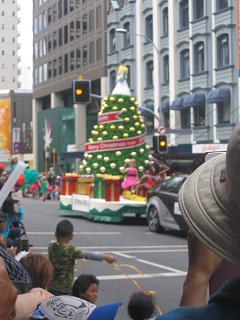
(162, 207)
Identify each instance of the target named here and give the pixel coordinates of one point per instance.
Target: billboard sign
(5, 127)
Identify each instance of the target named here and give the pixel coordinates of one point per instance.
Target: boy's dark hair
(141, 306)
(64, 229)
(82, 283)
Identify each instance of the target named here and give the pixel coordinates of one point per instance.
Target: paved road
(161, 258)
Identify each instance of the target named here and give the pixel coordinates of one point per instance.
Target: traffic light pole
(80, 127)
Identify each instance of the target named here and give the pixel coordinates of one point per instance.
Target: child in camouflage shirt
(63, 255)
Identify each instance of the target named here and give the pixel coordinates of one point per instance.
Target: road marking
(123, 255)
(142, 276)
(129, 247)
(82, 233)
(153, 264)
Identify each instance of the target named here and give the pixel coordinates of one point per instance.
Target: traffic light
(82, 91)
(160, 144)
(163, 147)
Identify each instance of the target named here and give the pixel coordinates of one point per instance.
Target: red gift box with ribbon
(69, 185)
(112, 189)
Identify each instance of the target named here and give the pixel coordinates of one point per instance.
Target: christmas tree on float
(119, 134)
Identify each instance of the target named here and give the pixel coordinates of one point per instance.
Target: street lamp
(125, 31)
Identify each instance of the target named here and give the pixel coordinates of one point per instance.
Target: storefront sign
(110, 145)
(109, 117)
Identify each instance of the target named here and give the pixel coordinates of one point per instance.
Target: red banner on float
(110, 145)
(109, 117)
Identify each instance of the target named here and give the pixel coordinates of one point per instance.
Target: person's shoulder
(184, 313)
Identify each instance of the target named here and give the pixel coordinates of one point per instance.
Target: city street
(162, 258)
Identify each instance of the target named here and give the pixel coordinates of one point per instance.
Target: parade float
(118, 139)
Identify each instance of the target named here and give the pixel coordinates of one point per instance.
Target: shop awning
(197, 99)
(219, 95)
(177, 104)
(165, 106)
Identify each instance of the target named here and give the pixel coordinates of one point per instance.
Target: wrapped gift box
(85, 185)
(69, 185)
(113, 189)
(99, 188)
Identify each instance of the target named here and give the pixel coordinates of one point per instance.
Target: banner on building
(5, 128)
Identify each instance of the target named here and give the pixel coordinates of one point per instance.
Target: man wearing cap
(210, 203)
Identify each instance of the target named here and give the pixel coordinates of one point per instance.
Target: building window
(199, 114)
(60, 65)
(77, 3)
(184, 15)
(149, 28)
(72, 31)
(222, 4)
(149, 74)
(99, 49)
(199, 64)
(2, 13)
(54, 39)
(198, 9)
(112, 41)
(60, 9)
(35, 25)
(3, 52)
(91, 52)
(166, 69)
(126, 35)
(85, 24)
(185, 118)
(91, 20)
(223, 112)
(66, 34)
(44, 46)
(2, 39)
(85, 55)
(65, 7)
(165, 22)
(78, 28)
(71, 5)
(45, 72)
(54, 13)
(223, 50)
(60, 37)
(40, 74)
(49, 42)
(49, 69)
(78, 58)
(45, 19)
(40, 48)
(49, 15)
(72, 60)
(66, 63)
(166, 119)
(184, 65)
(112, 78)
(98, 17)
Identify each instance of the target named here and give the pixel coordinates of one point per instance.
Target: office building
(9, 45)
(69, 41)
(194, 43)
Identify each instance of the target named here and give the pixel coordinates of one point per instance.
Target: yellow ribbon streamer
(151, 293)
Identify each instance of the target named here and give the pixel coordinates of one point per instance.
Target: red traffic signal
(81, 91)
